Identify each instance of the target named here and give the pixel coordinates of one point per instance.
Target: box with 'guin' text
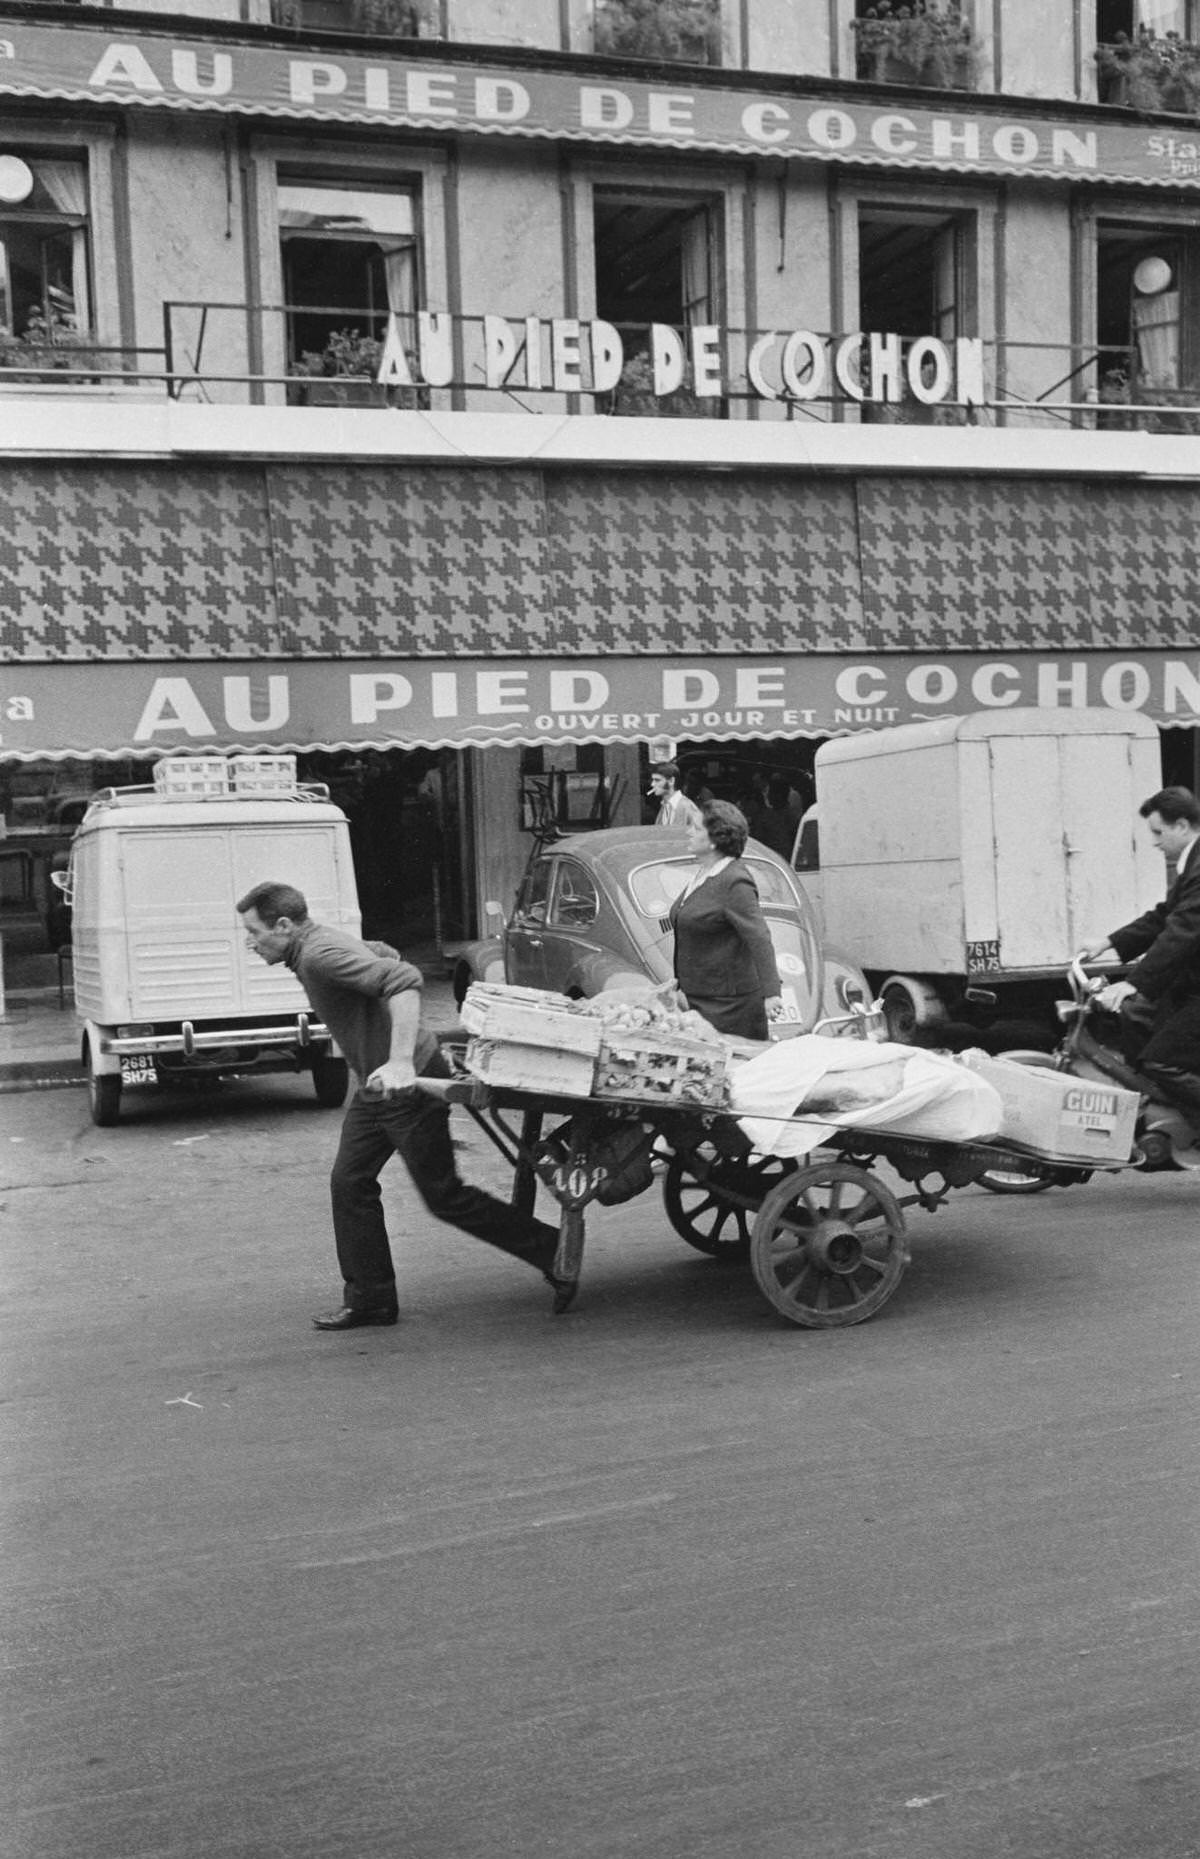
(1055, 1115)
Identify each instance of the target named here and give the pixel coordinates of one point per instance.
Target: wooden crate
(531, 1068)
(660, 1067)
(528, 1017)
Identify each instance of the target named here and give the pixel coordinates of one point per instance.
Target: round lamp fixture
(16, 180)
(1151, 276)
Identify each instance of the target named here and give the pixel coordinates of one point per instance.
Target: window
(45, 295)
(576, 902)
(350, 260)
(916, 276)
(535, 892)
(932, 44)
(1138, 62)
(1148, 313)
(402, 19)
(657, 260)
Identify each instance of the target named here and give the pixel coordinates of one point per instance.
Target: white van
(165, 984)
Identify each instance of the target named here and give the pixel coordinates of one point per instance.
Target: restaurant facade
(477, 422)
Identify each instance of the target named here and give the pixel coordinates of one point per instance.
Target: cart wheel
(104, 1095)
(715, 1214)
(828, 1247)
(1015, 1181)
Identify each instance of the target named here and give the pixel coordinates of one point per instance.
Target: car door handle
(533, 942)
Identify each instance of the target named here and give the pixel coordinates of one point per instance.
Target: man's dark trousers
(1162, 1040)
(415, 1127)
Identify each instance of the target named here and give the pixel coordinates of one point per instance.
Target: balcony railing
(1150, 73)
(929, 43)
(207, 349)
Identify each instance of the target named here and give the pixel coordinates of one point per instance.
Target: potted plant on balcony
(48, 343)
(634, 396)
(384, 19)
(927, 43)
(678, 31)
(1150, 73)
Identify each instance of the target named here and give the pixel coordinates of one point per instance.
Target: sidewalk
(39, 1040)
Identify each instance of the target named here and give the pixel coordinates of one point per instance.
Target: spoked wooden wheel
(711, 1199)
(828, 1247)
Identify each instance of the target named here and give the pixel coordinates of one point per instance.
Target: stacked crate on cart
(531, 1039)
(662, 1068)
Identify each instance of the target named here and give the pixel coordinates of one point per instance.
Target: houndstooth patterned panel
(984, 565)
(645, 562)
(134, 561)
(391, 560)
(104, 561)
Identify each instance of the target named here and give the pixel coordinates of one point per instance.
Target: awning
(450, 90)
(306, 704)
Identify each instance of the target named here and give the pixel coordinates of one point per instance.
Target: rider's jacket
(1167, 939)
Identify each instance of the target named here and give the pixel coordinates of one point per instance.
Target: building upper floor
(214, 203)
(1138, 54)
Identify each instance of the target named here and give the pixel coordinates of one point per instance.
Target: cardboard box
(1050, 1113)
(531, 1068)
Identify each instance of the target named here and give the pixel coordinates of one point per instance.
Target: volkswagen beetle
(592, 914)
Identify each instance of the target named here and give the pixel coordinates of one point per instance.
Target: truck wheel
(909, 1004)
(330, 1078)
(104, 1095)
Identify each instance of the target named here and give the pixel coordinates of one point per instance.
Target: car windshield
(655, 887)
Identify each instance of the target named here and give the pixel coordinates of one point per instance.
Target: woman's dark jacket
(724, 956)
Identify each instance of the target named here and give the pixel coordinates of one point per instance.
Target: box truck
(964, 861)
(166, 987)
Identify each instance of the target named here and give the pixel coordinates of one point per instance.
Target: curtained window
(45, 293)
(350, 259)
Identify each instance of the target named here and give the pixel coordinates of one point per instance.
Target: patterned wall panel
(383, 560)
(987, 564)
(213, 561)
(646, 562)
(134, 561)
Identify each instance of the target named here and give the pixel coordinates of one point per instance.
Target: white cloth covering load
(857, 1085)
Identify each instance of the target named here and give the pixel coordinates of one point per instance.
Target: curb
(40, 1075)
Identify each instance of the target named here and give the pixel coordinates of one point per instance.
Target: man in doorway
(1159, 1005)
(674, 809)
(370, 999)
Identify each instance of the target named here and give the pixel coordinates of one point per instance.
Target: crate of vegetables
(652, 1051)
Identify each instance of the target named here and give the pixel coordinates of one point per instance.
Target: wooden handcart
(826, 1238)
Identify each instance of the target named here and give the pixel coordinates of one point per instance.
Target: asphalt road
(665, 1576)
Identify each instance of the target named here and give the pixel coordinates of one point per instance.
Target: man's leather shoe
(348, 1318)
(565, 1290)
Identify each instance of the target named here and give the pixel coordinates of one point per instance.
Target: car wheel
(104, 1094)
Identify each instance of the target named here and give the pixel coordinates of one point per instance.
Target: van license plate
(138, 1068)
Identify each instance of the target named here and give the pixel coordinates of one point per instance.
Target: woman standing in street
(724, 957)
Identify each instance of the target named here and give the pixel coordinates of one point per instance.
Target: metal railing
(256, 353)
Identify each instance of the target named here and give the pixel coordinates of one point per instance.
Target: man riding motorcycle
(1159, 1005)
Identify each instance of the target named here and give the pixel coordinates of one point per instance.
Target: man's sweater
(348, 984)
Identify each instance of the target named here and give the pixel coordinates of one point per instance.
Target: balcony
(241, 354)
(925, 44)
(1150, 73)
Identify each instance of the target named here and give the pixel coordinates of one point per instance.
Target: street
(664, 1576)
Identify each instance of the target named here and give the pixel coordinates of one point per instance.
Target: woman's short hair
(726, 827)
